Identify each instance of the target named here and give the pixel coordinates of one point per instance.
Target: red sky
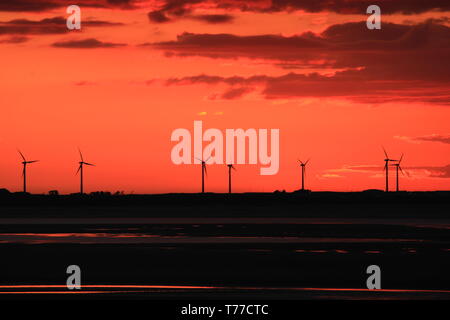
(138, 70)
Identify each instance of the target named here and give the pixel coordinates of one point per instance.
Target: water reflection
(301, 292)
(128, 238)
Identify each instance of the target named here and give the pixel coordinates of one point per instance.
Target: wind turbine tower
(397, 169)
(230, 166)
(303, 166)
(386, 168)
(24, 171)
(204, 172)
(80, 170)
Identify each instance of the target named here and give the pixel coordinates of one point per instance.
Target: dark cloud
(409, 63)
(360, 6)
(158, 17)
(350, 85)
(229, 40)
(208, 79)
(440, 172)
(336, 39)
(166, 15)
(124, 4)
(349, 45)
(15, 39)
(430, 171)
(45, 5)
(27, 5)
(435, 138)
(55, 25)
(214, 18)
(86, 44)
(271, 47)
(170, 9)
(179, 8)
(430, 138)
(235, 93)
(100, 23)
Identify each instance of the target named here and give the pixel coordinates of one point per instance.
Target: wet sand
(417, 258)
(240, 251)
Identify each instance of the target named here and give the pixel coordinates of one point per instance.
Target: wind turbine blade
(307, 161)
(232, 167)
(385, 153)
(89, 164)
(207, 159)
(400, 159)
(206, 171)
(81, 155)
(79, 168)
(401, 170)
(32, 161)
(385, 166)
(22, 155)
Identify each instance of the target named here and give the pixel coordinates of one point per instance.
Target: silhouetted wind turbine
(230, 166)
(204, 172)
(303, 165)
(24, 172)
(397, 168)
(80, 169)
(386, 168)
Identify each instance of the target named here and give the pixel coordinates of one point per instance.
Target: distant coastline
(366, 204)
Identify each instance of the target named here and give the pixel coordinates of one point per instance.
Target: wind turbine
(397, 168)
(80, 169)
(24, 172)
(303, 165)
(230, 166)
(386, 168)
(204, 172)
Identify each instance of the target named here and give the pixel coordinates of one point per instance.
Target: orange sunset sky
(137, 70)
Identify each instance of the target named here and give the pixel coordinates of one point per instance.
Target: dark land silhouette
(303, 203)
